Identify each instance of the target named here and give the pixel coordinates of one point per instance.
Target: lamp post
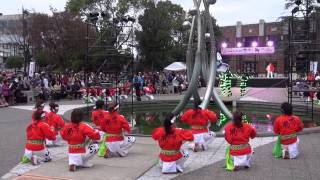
(254, 44)
(24, 26)
(239, 45)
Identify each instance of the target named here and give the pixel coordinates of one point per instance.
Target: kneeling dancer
(113, 141)
(75, 133)
(55, 122)
(199, 120)
(238, 134)
(35, 150)
(170, 140)
(287, 126)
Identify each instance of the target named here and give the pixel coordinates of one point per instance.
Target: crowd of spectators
(55, 86)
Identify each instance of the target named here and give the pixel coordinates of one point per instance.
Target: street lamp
(239, 45)
(255, 44)
(24, 34)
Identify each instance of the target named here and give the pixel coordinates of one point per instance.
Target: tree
(112, 31)
(304, 3)
(58, 39)
(162, 36)
(14, 62)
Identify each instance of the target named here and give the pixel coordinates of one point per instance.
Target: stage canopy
(176, 66)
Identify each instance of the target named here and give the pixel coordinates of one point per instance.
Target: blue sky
(227, 12)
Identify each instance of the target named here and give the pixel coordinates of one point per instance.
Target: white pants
(57, 142)
(174, 166)
(81, 159)
(292, 149)
(243, 160)
(270, 75)
(40, 156)
(202, 139)
(121, 147)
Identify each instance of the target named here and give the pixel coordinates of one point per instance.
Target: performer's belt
(199, 127)
(169, 152)
(76, 146)
(288, 136)
(112, 135)
(239, 146)
(35, 141)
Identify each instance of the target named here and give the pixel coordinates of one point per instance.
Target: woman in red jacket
(287, 126)
(113, 127)
(37, 132)
(238, 135)
(75, 133)
(55, 122)
(170, 139)
(199, 120)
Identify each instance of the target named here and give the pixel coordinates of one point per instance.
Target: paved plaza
(140, 163)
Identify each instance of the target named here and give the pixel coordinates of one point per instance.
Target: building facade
(262, 34)
(10, 40)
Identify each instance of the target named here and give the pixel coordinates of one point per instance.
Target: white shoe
(131, 139)
(87, 165)
(34, 160)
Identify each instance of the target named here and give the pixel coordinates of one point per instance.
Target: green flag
(277, 150)
(102, 146)
(229, 161)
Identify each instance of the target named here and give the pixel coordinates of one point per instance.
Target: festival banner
(247, 51)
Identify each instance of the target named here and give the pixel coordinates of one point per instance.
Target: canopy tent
(176, 66)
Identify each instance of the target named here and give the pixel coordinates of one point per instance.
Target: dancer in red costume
(55, 122)
(113, 127)
(287, 126)
(238, 135)
(199, 120)
(76, 133)
(37, 132)
(170, 139)
(99, 114)
(40, 107)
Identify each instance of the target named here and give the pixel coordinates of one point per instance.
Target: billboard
(247, 51)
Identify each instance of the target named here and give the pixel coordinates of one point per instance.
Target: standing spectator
(3, 102)
(6, 91)
(138, 84)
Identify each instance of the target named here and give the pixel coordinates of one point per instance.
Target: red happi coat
(76, 134)
(237, 136)
(114, 126)
(38, 131)
(98, 115)
(171, 142)
(55, 121)
(285, 125)
(199, 117)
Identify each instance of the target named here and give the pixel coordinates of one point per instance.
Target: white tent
(176, 66)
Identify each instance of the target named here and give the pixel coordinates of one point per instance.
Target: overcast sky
(227, 12)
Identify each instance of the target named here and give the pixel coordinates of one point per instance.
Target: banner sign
(32, 68)
(247, 51)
